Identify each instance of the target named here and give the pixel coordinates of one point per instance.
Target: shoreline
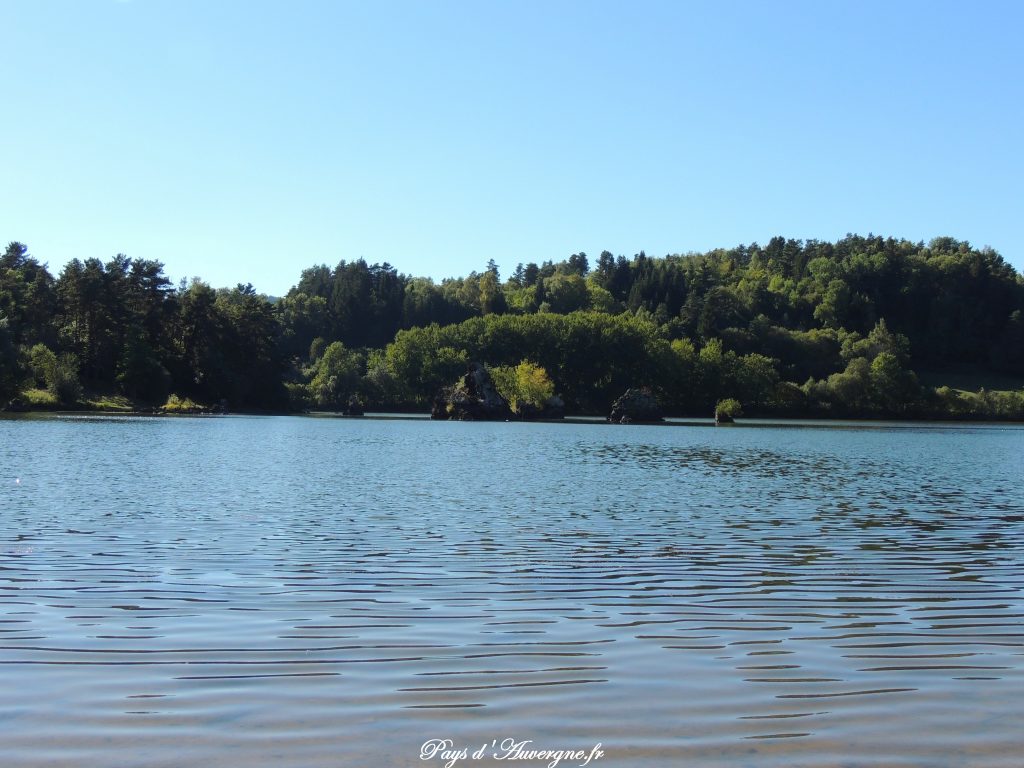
(792, 422)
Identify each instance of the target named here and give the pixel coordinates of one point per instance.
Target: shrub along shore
(865, 327)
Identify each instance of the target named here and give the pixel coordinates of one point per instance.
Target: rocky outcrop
(636, 405)
(471, 398)
(554, 408)
(727, 410)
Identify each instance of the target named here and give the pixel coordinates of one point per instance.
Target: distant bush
(729, 407)
(336, 376)
(39, 398)
(63, 383)
(298, 396)
(177, 404)
(525, 385)
(42, 363)
(59, 375)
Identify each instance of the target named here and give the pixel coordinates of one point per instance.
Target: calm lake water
(316, 592)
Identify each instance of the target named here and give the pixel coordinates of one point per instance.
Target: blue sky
(245, 141)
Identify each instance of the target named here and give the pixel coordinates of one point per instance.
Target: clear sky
(242, 141)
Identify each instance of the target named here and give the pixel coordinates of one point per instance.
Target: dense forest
(866, 326)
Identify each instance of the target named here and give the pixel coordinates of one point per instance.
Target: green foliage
(252, 354)
(721, 309)
(316, 348)
(832, 311)
(336, 377)
(39, 398)
(566, 293)
(118, 403)
(591, 357)
(42, 365)
(601, 299)
(140, 374)
(756, 378)
(952, 402)
(851, 319)
(63, 383)
(362, 305)
(851, 389)
(303, 319)
(177, 404)
(492, 300)
(27, 297)
(298, 396)
(729, 407)
(681, 367)
(11, 372)
(504, 378)
(983, 404)
(58, 375)
(894, 388)
(101, 305)
(525, 386)
(878, 341)
(534, 388)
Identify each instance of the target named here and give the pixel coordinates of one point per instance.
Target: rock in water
(721, 417)
(553, 408)
(636, 405)
(471, 398)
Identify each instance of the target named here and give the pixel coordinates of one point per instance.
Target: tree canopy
(793, 326)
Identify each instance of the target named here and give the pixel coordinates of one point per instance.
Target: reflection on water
(314, 592)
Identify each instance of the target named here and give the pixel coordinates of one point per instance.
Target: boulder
(636, 405)
(554, 408)
(727, 410)
(471, 398)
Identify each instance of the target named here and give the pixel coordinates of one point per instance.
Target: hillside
(792, 327)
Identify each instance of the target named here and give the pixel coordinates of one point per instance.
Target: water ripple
(308, 583)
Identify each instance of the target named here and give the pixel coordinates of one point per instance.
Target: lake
(288, 591)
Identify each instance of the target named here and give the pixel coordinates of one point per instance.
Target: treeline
(793, 327)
